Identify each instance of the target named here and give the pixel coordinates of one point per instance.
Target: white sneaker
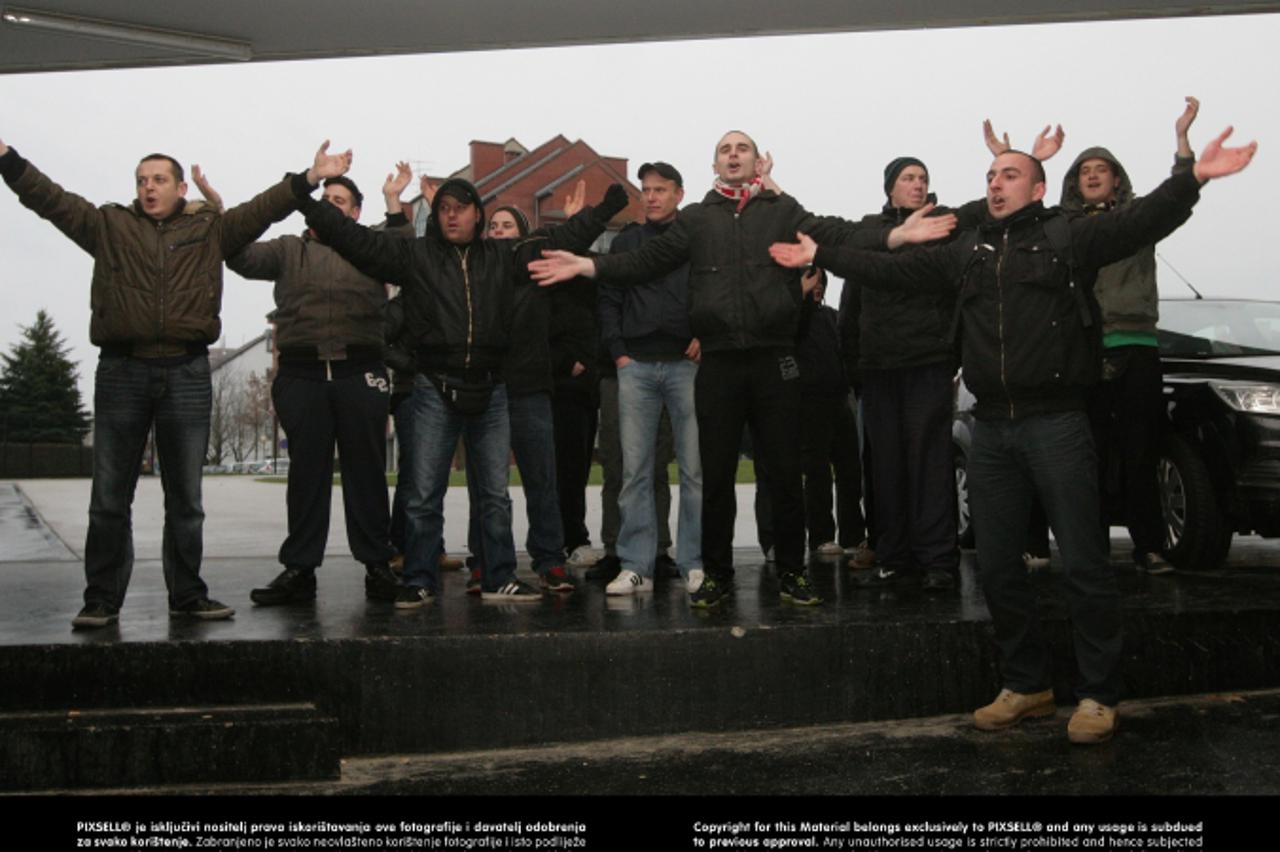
(628, 583)
(694, 581)
(830, 549)
(584, 556)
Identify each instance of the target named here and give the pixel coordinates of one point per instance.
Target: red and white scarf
(742, 193)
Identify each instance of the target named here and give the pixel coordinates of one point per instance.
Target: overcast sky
(832, 109)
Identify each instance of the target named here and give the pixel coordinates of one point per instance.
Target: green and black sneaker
(796, 589)
(710, 593)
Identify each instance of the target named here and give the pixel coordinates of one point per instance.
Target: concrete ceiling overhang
(275, 30)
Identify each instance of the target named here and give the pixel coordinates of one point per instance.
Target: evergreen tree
(39, 397)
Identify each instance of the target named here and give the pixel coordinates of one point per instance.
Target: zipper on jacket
(1004, 379)
(164, 274)
(466, 286)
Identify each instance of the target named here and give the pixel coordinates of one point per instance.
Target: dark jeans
(404, 443)
(611, 468)
(349, 412)
(759, 388)
(829, 439)
(1128, 423)
(1049, 456)
(533, 443)
(907, 413)
(575, 417)
(129, 397)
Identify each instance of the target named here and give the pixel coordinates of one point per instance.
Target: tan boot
(449, 563)
(863, 557)
(1092, 723)
(1011, 707)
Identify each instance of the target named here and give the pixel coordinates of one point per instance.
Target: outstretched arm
(381, 255)
(1218, 161)
(587, 223)
(210, 194)
(925, 269)
(69, 213)
(920, 227)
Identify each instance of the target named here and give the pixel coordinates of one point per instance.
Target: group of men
(699, 310)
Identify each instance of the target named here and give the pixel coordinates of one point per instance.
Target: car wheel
(1195, 533)
(964, 521)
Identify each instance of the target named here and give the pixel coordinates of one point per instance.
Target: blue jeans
(129, 397)
(435, 431)
(643, 388)
(1052, 457)
(534, 444)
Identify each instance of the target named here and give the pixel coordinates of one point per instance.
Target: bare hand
(396, 183)
(557, 266)
(576, 200)
(920, 227)
(206, 189)
(622, 361)
(578, 369)
(428, 189)
(4, 149)
(1048, 144)
(994, 144)
(328, 165)
(809, 280)
(1216, 161)
(694, 351)
(1183, 125)
(794, 255)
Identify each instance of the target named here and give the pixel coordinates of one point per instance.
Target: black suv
(1219, 471)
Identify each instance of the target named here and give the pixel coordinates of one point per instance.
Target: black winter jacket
(818, 353)
(649, 319)
(458, 299)
(1025, 345)
(738, 297)
(575, 333)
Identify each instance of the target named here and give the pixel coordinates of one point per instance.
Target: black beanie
(895, 168)
(463, 191)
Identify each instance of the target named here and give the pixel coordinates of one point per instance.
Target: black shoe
(380, 582)
(710, 593)
(292, 585)
(664, 566)
(938, 580)
(412, 597)
(796, 589)
(885, 578)
(606, 569)
(204, 609)
(95, 615)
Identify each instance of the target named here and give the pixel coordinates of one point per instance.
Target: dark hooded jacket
(1029, 344)
(1126, 290)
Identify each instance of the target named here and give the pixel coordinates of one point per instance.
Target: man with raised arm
(1029, 349)
(156, 295)
(744, 311)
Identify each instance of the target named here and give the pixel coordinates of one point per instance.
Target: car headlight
(1253, 398)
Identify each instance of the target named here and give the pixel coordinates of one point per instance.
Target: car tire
(964, 519)
(1197, 536)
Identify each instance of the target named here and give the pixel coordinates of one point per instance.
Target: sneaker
(938, 580)
(584, 556)
(412, 597)
(1154, 563)
(796, 589)
(292, 585)
(475, 582)
(863, 557)
(1035, 563)
(380, 582)
(606, 569)
(95, 615)
(1092, 723)
(628, 582)
(1011, 707)
(664, 566)
(517, 591)
(884, 578)
(710, 593)
(204, 609)
(829, 548)
(557, 579)
(694, 581)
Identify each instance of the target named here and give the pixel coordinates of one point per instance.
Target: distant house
(242, 426)
(537, 181)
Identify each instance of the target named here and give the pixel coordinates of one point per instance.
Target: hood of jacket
(1072, 200)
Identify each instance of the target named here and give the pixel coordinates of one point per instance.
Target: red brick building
(538, 180)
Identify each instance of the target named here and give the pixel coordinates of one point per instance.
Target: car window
(1206, 328)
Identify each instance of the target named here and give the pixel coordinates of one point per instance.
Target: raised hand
(1183, 124)
(557, 266)
(1048, 144)
(328, 165)
(1217, 161)
(428, 189)
(576, 200)
(994, 144)
(396, 183)
(4, 149)
(794, 255)
(206, 189)
(920, 227)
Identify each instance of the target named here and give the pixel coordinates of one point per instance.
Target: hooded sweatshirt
(1126, 290)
